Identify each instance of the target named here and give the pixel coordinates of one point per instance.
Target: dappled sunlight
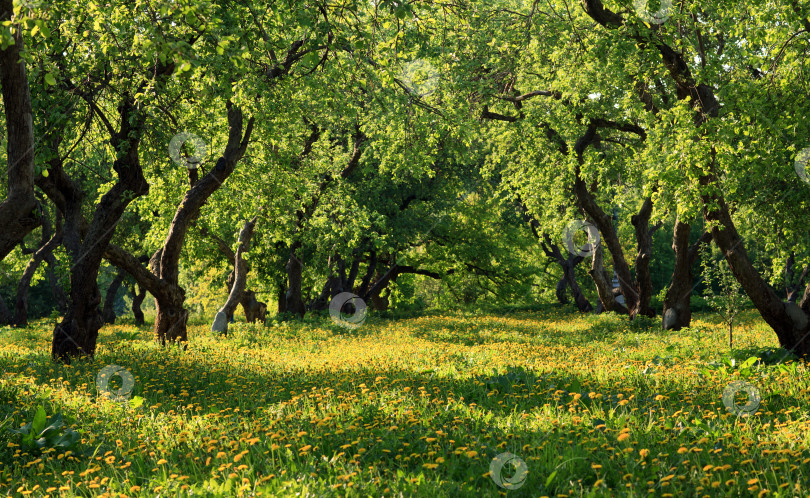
(416, 405)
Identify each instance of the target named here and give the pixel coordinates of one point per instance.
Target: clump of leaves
(41, 433)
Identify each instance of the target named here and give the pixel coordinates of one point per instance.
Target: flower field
(586, 406)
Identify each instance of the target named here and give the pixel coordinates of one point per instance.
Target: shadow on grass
(564, 426)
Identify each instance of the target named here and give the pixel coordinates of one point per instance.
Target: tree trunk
(643, 282)
(677, 311)
(5, 314)
(76, 335)
(794, 285)
(281, 297)
(108, 312)
(637, 292)
(46, 249)
(170, 323)
(18, 215)
(789, 321)
(240, 280)
(56, 286)
(559, 291)
(372, 268)
(254, 310)
(568, 264)
(294, 300)
(137, 300)
(569, 278)
(293, 297)
(604, 287)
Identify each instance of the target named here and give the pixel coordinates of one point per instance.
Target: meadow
(589, 406)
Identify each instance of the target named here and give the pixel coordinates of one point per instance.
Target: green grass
(594, 406)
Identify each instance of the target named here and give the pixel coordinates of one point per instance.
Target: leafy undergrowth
(594, 406)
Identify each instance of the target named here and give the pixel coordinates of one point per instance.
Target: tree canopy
(410, 153)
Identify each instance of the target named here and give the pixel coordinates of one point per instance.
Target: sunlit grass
(593, 405)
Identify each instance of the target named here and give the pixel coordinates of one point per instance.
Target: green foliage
(729, 300)
(427, 402)
(39, 434)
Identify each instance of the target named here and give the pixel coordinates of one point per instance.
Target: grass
(593, 406)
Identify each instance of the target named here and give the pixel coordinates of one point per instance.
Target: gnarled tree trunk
(137, 300)
(108, 311)
(170, 323)
(76, 335)
(791, 322)
(604, 287)
(163, 279)
(18, 215)
(677, 311)
(240, 279)
(637, 292)
(568, 279)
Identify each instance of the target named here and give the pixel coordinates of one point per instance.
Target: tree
(729, 301)
(18, 215)
(707, 126)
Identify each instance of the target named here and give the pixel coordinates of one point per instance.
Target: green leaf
(55, 425)
(39, 421)
(550, 478)
(49, 79)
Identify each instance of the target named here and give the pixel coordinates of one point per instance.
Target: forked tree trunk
(172, 317)
(677, 310)
(604, 286)
(637, 292)
(791, 322)
(76, 335)
(568, 279)
(162, 279)
(18, 215)
(240, 279)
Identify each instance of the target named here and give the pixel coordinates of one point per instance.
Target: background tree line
(390, 148)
